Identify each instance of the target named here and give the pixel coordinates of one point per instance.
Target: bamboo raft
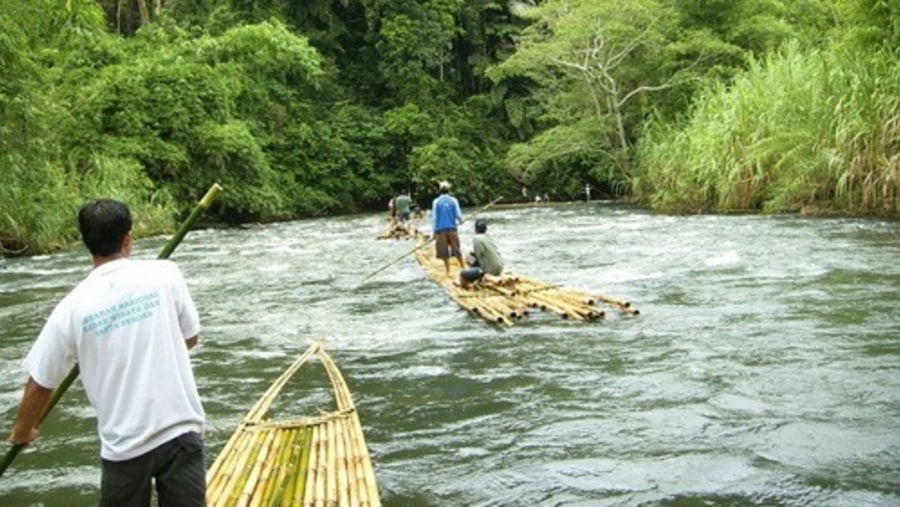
(398, 230)
(313, 461)
(509, 298)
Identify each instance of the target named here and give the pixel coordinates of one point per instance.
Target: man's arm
(192, 341)
(434, 215)
(34, 401)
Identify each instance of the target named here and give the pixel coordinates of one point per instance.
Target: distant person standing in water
(129, 326)
(445, 216)
(587, 191)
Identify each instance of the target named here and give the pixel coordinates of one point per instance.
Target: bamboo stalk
(244, 471)
(291, 474)
(283, 445)
(341, 461)
(303, 477)
(556, 306)
(330, 472)
(625, 306)
(316, 487)
(369, 494)
(353, 491)
(499, 310)
(284, 494)
(269, 472)
(261, 456)
(222, 488)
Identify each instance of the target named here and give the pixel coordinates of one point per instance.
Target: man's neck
(101, 260)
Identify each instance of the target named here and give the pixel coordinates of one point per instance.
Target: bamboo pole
(286, 470)
(273, 473)
(290, 472)
(253, 477)
(303, 477)
(330, 472)
(353, 454)
(307, 494)
(238, 480)
(555, 306)
(341, 460)
(320, 446)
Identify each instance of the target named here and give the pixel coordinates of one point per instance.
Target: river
(764, 368)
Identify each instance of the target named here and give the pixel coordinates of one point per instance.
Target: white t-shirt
(126, 326)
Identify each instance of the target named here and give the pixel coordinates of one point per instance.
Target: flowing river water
(764, 368)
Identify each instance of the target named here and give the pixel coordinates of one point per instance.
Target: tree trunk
(145, 14)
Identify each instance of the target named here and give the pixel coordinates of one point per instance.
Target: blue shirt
(445, 213)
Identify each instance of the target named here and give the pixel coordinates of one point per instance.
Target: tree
(589, 62)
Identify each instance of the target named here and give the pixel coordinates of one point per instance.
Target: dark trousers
(177, 466)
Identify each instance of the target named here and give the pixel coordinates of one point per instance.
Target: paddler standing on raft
(129, 326)
(445, 216)
(403, 203)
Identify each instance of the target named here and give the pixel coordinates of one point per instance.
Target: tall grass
(40, 204)
(803, 129)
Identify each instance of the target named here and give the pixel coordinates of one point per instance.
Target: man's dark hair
(480, 225)
(103, 224)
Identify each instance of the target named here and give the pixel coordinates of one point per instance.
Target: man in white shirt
(129, 325)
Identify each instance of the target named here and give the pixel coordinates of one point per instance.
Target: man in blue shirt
(446, 215)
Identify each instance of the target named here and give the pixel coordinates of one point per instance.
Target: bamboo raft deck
(313, 461)
(509, 298)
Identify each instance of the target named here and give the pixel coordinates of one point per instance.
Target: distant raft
(508, 298)
(320, 460)
(398, 230)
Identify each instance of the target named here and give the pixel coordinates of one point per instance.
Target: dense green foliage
(330, 106)
(801, 129)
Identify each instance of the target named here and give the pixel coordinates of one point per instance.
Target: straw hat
(444, 185)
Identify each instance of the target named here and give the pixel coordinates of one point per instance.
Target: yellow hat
(444, 185)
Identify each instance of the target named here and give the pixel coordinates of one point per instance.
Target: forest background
(332, 106)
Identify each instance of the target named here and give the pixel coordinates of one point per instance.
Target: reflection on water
(763, 369)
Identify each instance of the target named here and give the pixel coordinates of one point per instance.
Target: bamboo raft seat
(508, 298)
(312, 461)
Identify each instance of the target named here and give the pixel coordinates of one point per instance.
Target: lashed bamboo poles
(355, 433)
(314, 461)
(504, 300)
(398, 231)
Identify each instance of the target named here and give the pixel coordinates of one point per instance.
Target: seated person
(486, 259)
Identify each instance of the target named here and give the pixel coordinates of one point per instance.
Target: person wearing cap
(446, 215)
(486, 257)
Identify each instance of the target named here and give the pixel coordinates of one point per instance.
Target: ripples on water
(763, 369)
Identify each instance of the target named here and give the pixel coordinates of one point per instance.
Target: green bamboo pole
(201, 206)
(426, 243)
